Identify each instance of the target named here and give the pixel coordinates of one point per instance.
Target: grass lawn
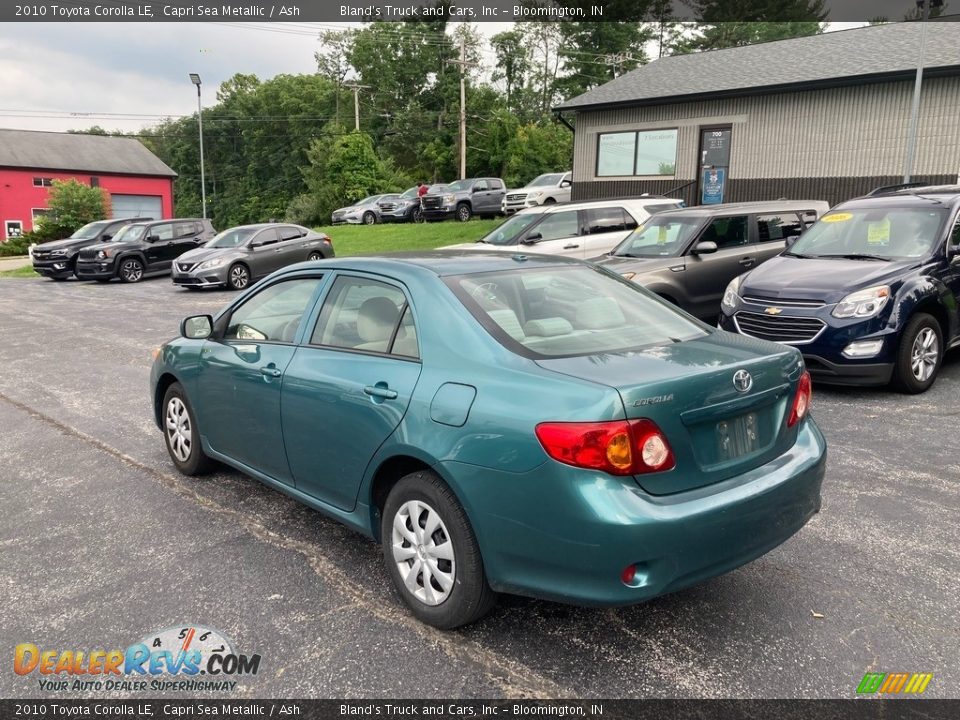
(23, 272)
(395, 237)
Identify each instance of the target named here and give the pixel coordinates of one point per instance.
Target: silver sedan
(244, 254)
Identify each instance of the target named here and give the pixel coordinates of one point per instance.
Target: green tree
(71, 206)
(733, 23)
(594, 53)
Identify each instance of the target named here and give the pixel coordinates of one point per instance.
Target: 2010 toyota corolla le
(519, 424)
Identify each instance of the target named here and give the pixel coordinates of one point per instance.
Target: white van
(579, 230)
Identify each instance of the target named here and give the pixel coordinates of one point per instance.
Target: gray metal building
(821, 117)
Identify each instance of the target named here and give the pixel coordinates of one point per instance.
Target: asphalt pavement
(102, 542)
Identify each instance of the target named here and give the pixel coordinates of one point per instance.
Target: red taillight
(328, 240)
(618, 447)
(801, 401)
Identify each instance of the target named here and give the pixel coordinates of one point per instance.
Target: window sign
(712, 185)
(656, 152)
(615, 153)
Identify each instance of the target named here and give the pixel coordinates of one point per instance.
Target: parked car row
(187, 248)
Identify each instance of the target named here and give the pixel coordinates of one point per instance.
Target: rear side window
(608, 219)
(771, 228)
(568, 311)
(496, 184)
(727, 232)
(289, 232)
(184, 229)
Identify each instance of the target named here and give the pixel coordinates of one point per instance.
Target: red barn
(138, 182)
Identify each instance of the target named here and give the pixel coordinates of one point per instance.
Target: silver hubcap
(464, 214)
(131, 270)
(423, 552)
(924, 355)
(315, 256)
(179, 429)
(239, 276)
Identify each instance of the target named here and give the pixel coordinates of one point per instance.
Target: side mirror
(105, 237)
(791, 240)
(955, 260)
(705, 248)
(532, 239)
(196, 327)
(153, 238)
(566, 183)
(255, 244)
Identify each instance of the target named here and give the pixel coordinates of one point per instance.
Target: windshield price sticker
(878, 233)
(836, 217)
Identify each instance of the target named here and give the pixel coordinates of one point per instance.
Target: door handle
(570, 247)
(380, 390)
(270, 371)
(747, 261)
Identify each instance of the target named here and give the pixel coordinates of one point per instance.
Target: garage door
(125, 206)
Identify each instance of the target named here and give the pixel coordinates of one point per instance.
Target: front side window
(885, 233)
(771, 228)
(727, 232)
(507, 233)
(274, 313)
(642, 152)
(568, 311)
(266, 237)
(129, 233)
(162, 232)
(364, 314)
(557, 225)
(660, 236)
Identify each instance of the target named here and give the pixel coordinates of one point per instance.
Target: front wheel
(131, 270)
(369, 218)
(919, 355)
(464, 212)
(238, 277)
(432, 554)
(181, 434)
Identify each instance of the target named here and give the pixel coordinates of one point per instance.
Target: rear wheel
(919, 355)
(181, 434)
(432, 554)
(315, 256)
(369, 218)
(131, 270)
(238, 277)
(464, 212)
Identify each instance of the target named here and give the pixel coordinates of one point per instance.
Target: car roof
(944, 195)
(446, 262)
(758, 206)
(168, 220)
(641, 201)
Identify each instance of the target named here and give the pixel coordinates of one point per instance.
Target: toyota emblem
(742, 381)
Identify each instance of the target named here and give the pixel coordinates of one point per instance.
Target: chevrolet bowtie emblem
(773, 311)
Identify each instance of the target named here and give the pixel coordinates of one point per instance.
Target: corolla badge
(742, 381)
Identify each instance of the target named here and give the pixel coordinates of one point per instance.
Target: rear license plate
(738, 436)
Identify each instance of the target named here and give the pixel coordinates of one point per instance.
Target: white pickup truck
(542, 190)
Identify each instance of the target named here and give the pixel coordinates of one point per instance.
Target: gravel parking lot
(102, 542)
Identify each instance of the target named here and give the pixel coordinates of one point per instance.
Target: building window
(642, 152)
(42, 182)
(13, 229)
(37, 215)
(94, 182)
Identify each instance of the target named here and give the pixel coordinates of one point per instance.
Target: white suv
(542, 190)
(580, 230)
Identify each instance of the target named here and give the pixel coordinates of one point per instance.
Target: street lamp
(195, 79)
(924, 7)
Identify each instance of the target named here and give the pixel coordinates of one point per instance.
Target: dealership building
(821, 117)
(139, 183)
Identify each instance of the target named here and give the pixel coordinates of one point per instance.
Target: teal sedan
(501, 424)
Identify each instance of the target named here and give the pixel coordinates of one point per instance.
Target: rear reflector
(618, 447)
(801, 401)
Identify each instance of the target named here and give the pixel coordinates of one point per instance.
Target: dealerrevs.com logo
(894, 683)
(186, 659)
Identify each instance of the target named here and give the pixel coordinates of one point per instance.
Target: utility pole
(924, 6)
(356, 103)
(462, 62)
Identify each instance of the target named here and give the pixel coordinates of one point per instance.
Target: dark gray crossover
(688, 256)
(243, 254)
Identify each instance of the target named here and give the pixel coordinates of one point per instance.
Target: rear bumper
(573, 545)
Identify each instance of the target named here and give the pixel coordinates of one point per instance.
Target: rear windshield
(570, 310)
(889, 233)
(659, 236)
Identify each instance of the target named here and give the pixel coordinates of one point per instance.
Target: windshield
(369, 200)
(660, 236)
(437, 189)
(459, 185)
(89, 231)
(129, 233)
(505, 234)
(235, 237)
(549, 179)
(570, 310)
(887, 233)
(411, 193)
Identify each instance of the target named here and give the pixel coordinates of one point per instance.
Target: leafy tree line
(286, 147)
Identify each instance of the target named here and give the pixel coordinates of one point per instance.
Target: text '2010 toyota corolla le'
(530, 425)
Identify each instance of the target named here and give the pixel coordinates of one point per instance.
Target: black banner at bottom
(859, 709)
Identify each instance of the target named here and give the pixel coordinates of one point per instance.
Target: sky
(126, 76)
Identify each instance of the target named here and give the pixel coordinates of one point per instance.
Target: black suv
(869, 294)
(57, 259)
(142, 248)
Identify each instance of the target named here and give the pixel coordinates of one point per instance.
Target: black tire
(238, 277)
(550, 201)
(130, 270)
(470, 597)
(464, 212)
(57, 278)
(919, 356)
(196, 461)
(103, 280)
(315, 256)
(369, 218)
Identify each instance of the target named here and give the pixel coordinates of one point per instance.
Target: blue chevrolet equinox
(869, 294)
